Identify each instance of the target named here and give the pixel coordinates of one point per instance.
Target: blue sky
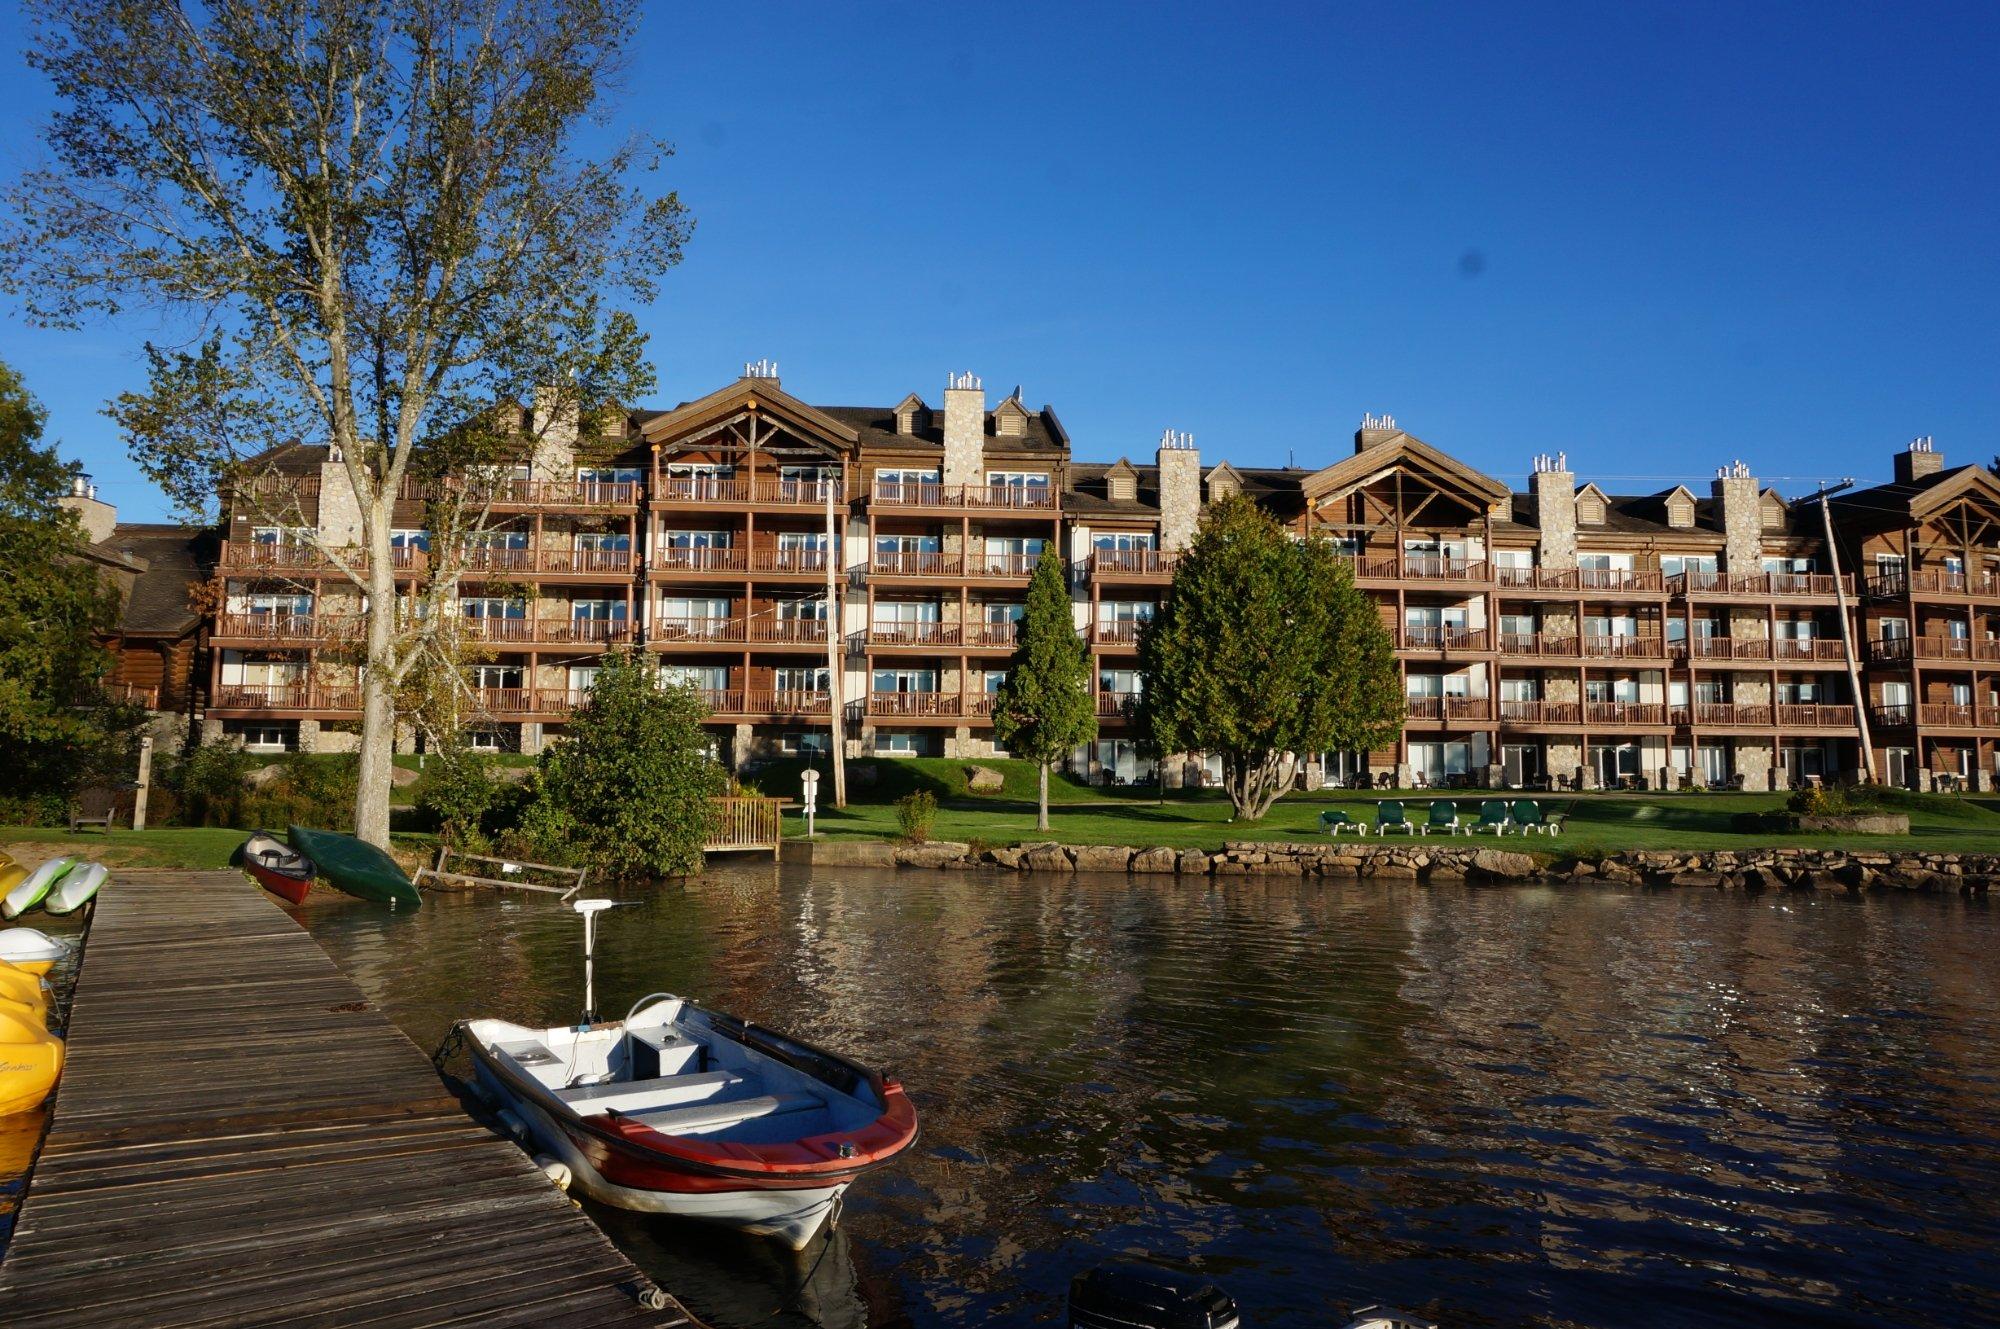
(1656, 236)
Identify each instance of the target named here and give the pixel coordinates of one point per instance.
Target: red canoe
(278, 868)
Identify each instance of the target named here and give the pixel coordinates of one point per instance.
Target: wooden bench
(95, 806)
(449, 873)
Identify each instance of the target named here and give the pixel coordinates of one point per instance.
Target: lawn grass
(1080, 814)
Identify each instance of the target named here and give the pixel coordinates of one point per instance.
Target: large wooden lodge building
(1561, 632)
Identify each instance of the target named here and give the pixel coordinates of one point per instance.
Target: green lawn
(1080, 814)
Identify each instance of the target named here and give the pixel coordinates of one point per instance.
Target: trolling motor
(590, 909)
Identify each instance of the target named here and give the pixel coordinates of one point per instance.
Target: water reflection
(1532, 1106)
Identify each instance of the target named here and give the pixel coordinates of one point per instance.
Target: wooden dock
(239, 1138)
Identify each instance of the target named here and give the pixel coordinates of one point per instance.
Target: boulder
(1874, 823)
(1006, 857)
(402, 777)
(983, 780)
(1046, 858)
(1157, 859)
(1709, 879)
(1502, 865)
(263, 775)
(1762, 879)
(1192, 863)
(935, 854)
(1101, 857)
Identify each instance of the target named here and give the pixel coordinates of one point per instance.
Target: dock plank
(239, 1138)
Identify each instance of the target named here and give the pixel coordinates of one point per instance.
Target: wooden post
(834, 560)
(1847, 642)
(145, 783)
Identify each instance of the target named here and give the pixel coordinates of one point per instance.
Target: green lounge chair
(1335, 820)
(1492, 815)
(1444, 817)
(1528, 816)
(1389, 816)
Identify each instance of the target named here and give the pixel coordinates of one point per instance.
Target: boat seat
(712, 1116)
(629, 1095)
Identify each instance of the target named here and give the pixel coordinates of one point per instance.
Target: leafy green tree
(57, 728)
(1047, 706)
(378, 227)
(1264, 650)
(457, 787)
(628, 789)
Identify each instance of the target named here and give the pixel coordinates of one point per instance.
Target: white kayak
(25, 948)
(32, 891)
(76, 888)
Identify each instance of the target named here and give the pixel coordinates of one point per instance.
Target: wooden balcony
(1590, 582)
(1619, 714)
(256, 557)
(528, 701)
(1947, 715)
(1755, 585)
(1892, 715)
(1449, 708)
(1949, 650)
(916, 563)
(744, 490)
(1621, 647)
(764, 703)
(731, 559)
(1933, 581)
(992, 498)
(1116, 704)
(290, 629)
(1003, 566)
(295, 696)
(1125, 634)
(549, 631)
(675, 631)
(1445, 639)
(550, 562)
(915, 705)
(768, 630)
(512, 493)
(925, 635)
(1809, 650)
(1419, 567)
(789, 562)
(131, 694)
(1132, 564)
(1541, 713)
(1539, 644)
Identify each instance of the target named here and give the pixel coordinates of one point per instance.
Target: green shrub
(309, 789)
(457, 789)
(207, 784)
(1821, 801)
(47, 809)
(914, 813)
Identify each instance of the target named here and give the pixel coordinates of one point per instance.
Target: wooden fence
(746, 824)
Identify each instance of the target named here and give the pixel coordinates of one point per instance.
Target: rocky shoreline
(1730, 869)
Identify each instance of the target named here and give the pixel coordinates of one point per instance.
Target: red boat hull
(289, 888)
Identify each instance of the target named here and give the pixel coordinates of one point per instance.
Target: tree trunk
(378, 700)
(1042, 799)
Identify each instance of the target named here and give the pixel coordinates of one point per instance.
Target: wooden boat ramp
(240, 1138)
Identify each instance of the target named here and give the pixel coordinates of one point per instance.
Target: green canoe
(355, 866)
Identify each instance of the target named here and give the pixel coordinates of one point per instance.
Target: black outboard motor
(1145, 1296)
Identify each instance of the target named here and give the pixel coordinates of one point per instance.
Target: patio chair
(1492, 814)
(1443, 817)
(1527, 814)
(1389, 816)
(1335, 820)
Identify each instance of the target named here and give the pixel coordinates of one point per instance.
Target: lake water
(1535, 1105)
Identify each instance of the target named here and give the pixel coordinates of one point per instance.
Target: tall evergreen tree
(1047, 706)
(53, 609)
(1264, 651)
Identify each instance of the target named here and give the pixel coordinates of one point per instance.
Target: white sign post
(809, 785)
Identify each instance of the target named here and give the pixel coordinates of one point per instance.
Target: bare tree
(377, 227)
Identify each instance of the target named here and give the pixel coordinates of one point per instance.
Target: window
(1520, 689)
(1122, 541)
(905, 680)
(597, 611)
(494, 676)
(907, 544)
(491, 606)
(906, 613)
(682, 608)
(1799, 566)
(797, 482)
(697, 539)
(802, 609)
(1122, 681)
(1894, 629)
(812, 743)
(582, 678)
(704, 678)
(904, 484)
(896, 743)
(799, 678)
(608, 475)
(281, 535)
(602, 542)
(483, 740)
(1798, 692)
(410, 539)
(1017, 480)
(496, 539)
(277, 603)
(1123, 611)
(263, 736)
(1675, 564)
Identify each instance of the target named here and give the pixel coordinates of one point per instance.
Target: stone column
(739, 748)
(1180, 490)
(964, 430)
(339, 506)
(556, 425)
(1553, 486)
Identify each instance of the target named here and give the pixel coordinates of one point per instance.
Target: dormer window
(1590, 506)
(1223, 482)
(1010, 419)
(1680, 510)
(911, 415)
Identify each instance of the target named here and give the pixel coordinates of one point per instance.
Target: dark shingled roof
(154, 565)
(877, 427)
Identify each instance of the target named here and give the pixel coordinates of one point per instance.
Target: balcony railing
(1624, 713)
(1892, 650)
(1625, 647)
(131, 694)
(1116, 703)
(549, 631)
(295, 696)
(915, 703)
(513, 492)
(257, 556)
(725, 559)
(1947, 715)
(1449, 708)
(1538, 644)
(788, 631)
(811, 561)
(1001, 565)
(916, 563)
(1132, 563)
(1590, 581)
(1420, 567)
(1125, 633)
(705, 628)
(1005, 635)
(278, 627)
(766, 489)
(1541, 712)
(572, 562)
(915, 634)
(1752, 584)
(1932, 581)
(924, 494)
(1817, 649)
(1422, 638)
(1893, 715)
(764, 701)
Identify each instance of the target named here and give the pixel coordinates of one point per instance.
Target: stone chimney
(1374, 431)
(1739, 504)
(339, 506)
(555, 426)
(98, 518)
(964, 430)
(1180, 490)
(1553, 486)
(1920, 459)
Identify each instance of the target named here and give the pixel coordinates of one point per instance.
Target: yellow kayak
(17, 984)
(25, 948)
(12, 874)
(30, 1060)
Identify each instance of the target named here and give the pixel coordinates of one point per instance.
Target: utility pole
(834, 561)
(1846, 630)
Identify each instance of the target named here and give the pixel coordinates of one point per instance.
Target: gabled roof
(1122, 467)
(1912, 504)
(154, 565)
(761, 395)
(1404, 452)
